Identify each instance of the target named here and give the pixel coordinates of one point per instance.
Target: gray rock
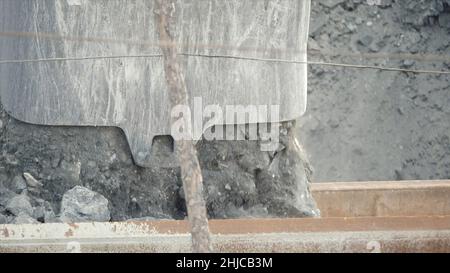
(5, 196)
(242, 180)
(31, 181)
(251, 162)
(317, 23)
(70, 171)
(419, 13)
(3, 219)
(18, 184)
(366, 40)
(43, 212)
(444, 20)
(50, 217)
(331, 3)
(33, 186)
(83, 205)
(39, 213)
(24, 218)
(20, 204)
(380, 3)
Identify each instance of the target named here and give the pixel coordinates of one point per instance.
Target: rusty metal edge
(381, 185)
(379, 234)
(430, 233)
(222, 227)
(318, 242)
(383, 198)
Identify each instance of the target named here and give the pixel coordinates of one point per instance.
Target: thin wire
(401, 56)
(382, 68)
(55, 36)
(345, 65)
(148, 43)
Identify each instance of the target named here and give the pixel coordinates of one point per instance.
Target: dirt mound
(240, 179)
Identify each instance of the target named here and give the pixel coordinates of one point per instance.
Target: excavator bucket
(99, 63)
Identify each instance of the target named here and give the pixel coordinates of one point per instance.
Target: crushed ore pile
(54, 174)
(364, 125)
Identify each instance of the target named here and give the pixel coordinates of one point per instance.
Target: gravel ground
(370, 125)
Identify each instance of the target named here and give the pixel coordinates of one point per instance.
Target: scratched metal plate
(131, 93)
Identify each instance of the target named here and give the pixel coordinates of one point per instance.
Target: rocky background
(72, 174)
(360, 125)
(370, 125)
